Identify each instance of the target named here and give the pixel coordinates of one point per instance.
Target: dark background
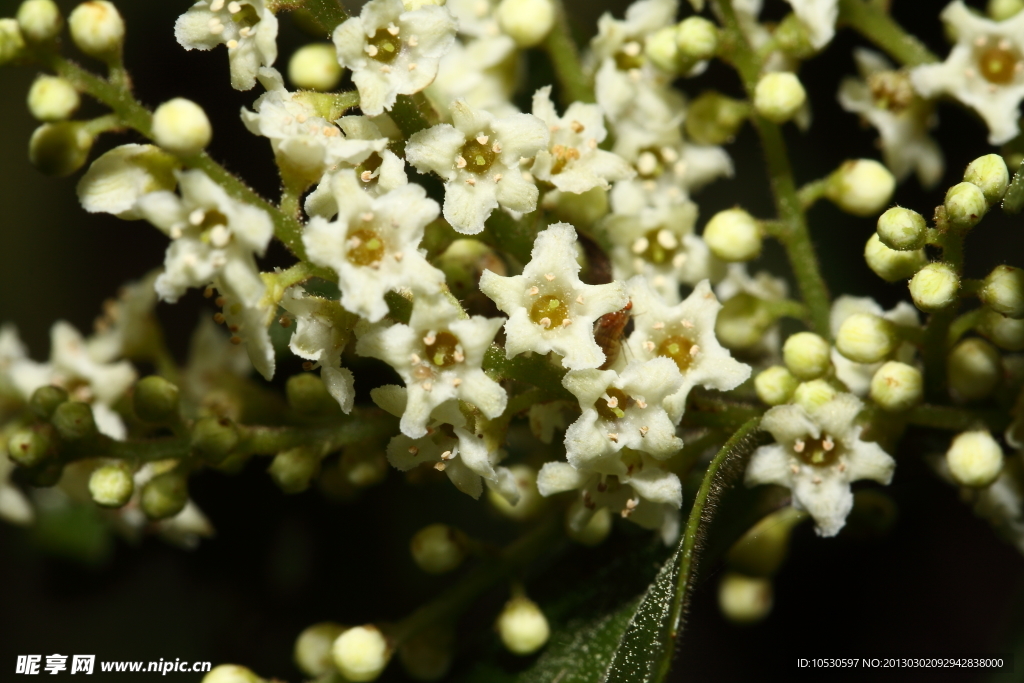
(938, 584)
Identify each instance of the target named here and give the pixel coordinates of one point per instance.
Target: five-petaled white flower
(117, 179)
(549, 308)
(247, 27)
(393, 52)
(322, 329)
(478, 158)
(817, 454)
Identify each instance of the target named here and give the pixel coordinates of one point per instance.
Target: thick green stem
(565, 58)
(937, 333)
(876, 25)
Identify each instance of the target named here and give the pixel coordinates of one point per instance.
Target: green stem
(877, 26)
(962, 325)
(956, 419)
(565, 58)
(272, 440)
(937, 333)
(812, 192)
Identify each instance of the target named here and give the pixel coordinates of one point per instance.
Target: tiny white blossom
(762, 285)
(322, 329)
(128, 327)
(249, 325)
(14, 505)
(549, 308)
(247, 27)
(117, 179)
(817, 455)
(984, 70)
(819, 18)
(857, 376)
(622, 40)
(482, 72)
(438, 355)
(213, 362)
(373, 244)
(642, 111)
(667, 169)
(478, 158)
(391, 51)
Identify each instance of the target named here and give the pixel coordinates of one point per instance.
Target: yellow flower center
(479, 156)
(387, 46)
(680, 349)
(998, 64)
(443, 353)
(549, 311)
(613, 407)
(821, 452)
(365, 247)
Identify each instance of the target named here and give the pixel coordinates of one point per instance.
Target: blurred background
(937, 582)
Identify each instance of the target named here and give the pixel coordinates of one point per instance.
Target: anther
(549, 276)
(799, 446)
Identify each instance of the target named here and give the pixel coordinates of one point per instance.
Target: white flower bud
(742, 322)
(527, 22)
(935, 286)
(733, 235)
(861, 187)
(52, 98)
(530, 501)
(315, 67)
(361, 653)
(59, 149)
(11, 40)
(965, 205)
(97, 29)
(892, 265)
(814, 394)
(1001, 10)
(896, 386)
(523, 627)
(594, 532)
(1006, 333)
(744, 599)
(1003, 291)
(660, 48)
(973, 369)
(990, 174)
(975, 459)
(866, 338)
(696, 38)
(807, 355)
(775, 385)
(438, 548)
(778, 96)
(39, 20)
(111, 485)
(313, 648)
(181, 126)
(902, 229)
(231, 673)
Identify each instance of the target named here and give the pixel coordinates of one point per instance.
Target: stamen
(644, 430)
(828, 444)
(460, 162)
(549, 276)
(545, 322)
(576, 126)
(482, 139)
(392, 29)
(799, 446)
(613, 437)
(413, 450)
(234, 7)
(533, 291)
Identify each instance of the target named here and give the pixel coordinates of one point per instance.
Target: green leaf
(1013, 200)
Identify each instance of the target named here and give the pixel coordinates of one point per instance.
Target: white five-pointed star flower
(391, 51)
(549, 308)
(684, 333)
(249, 325)
(478, 158)
(438, 355)
(247, 27)
(819, 18)
(817, 455)
(984, 70)
(322, 329)
(373, 244)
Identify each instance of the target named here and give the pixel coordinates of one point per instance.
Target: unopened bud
(990, 174)
(361, 653)
(97, 29)
(46, 399)
(165, 495)
(792, 38)
(52, 98)
(119, 177)
(293, 469)
(308, 396)
(231, 673)
(866, 338)
(935, 286)
(744, 599)
(896, 386)
(660, 50)
(73, 421)
(763, 548)
(181, 126)
(733, 235)
(814, 394)
(111, 486)
(40, 21)
(861, 187)
(313, 648)
(965, 205)
(892, 265)
(973, 369)
(30, 446)
(902, 229)
(60, 149)
(12, 44)
(975, 459)
(594, 532)
(530, 501)
(743, 321)
(1001, 10)
(214, 438)
(807, 355)
(1006, 333)
(696, 38)
(523, 627)
(315, 67)
(779, 95)
(775, 385)
(1003, 291)
(438, 548)
(527, 22)
(714, 119)
(155, 400)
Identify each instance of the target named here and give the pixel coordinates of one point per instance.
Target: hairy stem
(876, 25)
(565, 58)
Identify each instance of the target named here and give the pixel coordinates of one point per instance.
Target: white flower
(545, 418)
(373, 244)
(475, 18)
(438, 356)
(984, 70)
(573, 162)
(667, 168)
(886, 100)
(322, 329)
(213, 363)
(455, 449)
(14, 505)
(819, 18)
(117, 179)
(249, 325)
(762, 285)
(642, 111)
(478, 158)
(392, 52)
(482, 72)
(549, 308)
(623, 39)
(817, 455)
(247, 27)
(857, 376)
(684, 333)
(213, 236)
(128, 326)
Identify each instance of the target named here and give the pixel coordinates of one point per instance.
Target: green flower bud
(427, 656)
(52, 98)
(775, 385)
(293, 469)
(527, 22)
(530, 501)
(165, 495)
(733, 235)
(180, 126)
(155, 400)
(744, 599)
(60, 149)
(594, 532)
(46, 399)
(892, 265)
(231, 673)
(896, 386)
(778, 96)
(714, 119)
(111, 485)
(315, 67)
(31, 446)
(73, 421)
(97, 29)
(866, 338)
(1006, 333)
(965, 205)
(438, 548)
(791, 37)
(696, 39)
(1003, 291)
(861, 187)
(313, 648)
(807, 355)
(973, 369)
(660, 49)
(902, 229)
(742, 322)
(214, 438)
(814, 394)
(1001, 10)
(361, 653)
(762, 550)
(40, 21)
(990, 174)
(935, 286)
(11, 41)
(975, 459)
(522, 626)
(308, 396)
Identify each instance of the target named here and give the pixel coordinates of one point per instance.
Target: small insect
(608, 333)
